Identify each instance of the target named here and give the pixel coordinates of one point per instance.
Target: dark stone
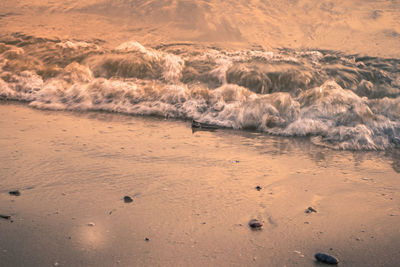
(7, 217)
(258, 188)
(310, 209)
(255, 224)
(200, 125)
(127, 199)
(15, 193)
(325, 258)
(147, 239)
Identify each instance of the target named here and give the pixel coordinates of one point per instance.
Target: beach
(199, 133)
(193, 195)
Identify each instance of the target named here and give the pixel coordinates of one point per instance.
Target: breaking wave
(340, 101)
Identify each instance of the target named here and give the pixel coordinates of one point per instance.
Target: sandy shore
(193, 195)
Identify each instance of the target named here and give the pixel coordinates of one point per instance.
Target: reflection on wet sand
(193, 194)
(322, 75)
(322, 157)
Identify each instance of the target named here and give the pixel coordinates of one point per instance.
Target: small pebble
(15, 193)
(147, 239)
(325, 258)
(258, 188)
(255, 224)
(127, 199)
(91, 224)
(310, 209)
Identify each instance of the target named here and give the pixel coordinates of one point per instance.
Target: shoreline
(193, 195)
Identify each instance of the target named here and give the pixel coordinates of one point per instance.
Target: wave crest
(343, 102)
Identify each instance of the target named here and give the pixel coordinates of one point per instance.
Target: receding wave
(340, 101)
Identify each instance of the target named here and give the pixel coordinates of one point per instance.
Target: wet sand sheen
(193, 195)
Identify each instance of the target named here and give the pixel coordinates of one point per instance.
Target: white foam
(141, 81)
(173, 66)
(133, 46)
(77, 45)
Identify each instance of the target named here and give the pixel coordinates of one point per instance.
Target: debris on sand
(255, 224)
(7, 217)
(200, 125)
(325, 258)
(127, 199)
(258, 188)
(301, 255)
(310, 209)
(15, 193)
(111, 211)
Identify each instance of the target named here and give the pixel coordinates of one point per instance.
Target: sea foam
(339, 101)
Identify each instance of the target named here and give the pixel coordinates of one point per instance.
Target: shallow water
(194, 194)
(289, 82)
(328, 71)
(342, 102)
(355, 27)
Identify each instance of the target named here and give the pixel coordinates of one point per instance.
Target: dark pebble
(255, 224)
(127, 199)
(7, 217)
(258, 188)
(325, 258)
(147, 239)
(310, 209)
(15, 193)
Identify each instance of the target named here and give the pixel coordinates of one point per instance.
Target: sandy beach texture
(101, 185)
(193, 195)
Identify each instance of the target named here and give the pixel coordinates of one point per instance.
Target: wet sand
(193, 195)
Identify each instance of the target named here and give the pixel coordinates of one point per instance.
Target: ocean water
(106, 91)
(339, 98)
